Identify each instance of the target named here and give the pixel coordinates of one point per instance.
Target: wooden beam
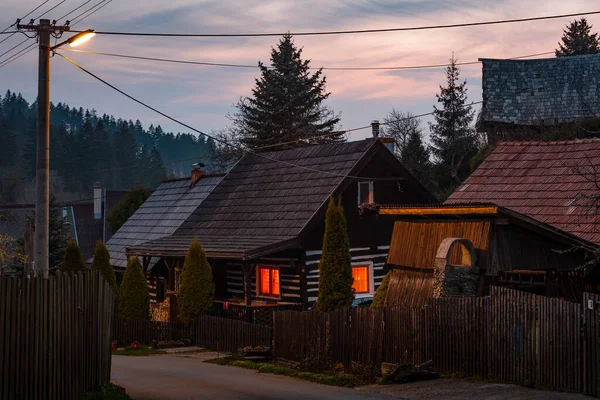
(441, 210)
(247, 268)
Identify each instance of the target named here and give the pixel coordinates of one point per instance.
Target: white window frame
(368, 264)
(371, 192)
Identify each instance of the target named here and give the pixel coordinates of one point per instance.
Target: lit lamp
(76, 40)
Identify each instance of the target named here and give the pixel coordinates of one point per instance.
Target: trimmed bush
(73, 261)
(335, 267)
(101, 263)
(381, 292)
(196, 287)
(134, 296)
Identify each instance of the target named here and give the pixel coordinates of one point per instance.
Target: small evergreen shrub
(101, 262)
(134, 296)
(381, 292)
(196, 286)
(73, 261)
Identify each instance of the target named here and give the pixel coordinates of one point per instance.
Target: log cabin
(262, 223)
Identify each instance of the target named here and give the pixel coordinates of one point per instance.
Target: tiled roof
(548, 91)
(548, 181)
(160, 215)
(262, 202)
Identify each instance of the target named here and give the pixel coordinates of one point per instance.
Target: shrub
(73, 261)
(381, 292)
(196, 287)
(134, 296)
(335, 267)
(101, 263)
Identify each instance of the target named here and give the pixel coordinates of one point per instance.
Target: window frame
(371, 192)
(370, 278)
(259, 292)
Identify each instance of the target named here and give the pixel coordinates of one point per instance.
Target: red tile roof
(548, 181)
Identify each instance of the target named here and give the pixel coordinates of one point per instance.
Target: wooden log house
(262, 224)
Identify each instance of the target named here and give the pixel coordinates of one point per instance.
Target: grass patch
(345, 380)
(109, 392)
(142, 351)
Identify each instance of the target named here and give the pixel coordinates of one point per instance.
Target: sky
(203, 96)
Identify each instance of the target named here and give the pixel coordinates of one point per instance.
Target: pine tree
(156, 168)
(577, 40)
(8, 139)
(454, 140)
(101, 262)
(132, 200)
(134, 295)
(286, 102)
(196, 286)
(335, 267)
(58, 237)
(125, 154)
(73, 261)
(381, 292)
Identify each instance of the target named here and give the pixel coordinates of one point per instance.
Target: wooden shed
(508, 249)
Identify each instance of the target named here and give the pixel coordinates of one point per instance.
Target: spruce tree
(454, 140)
(8, 139)
(196, 286)
(58, 237)
(132, 200)
(381, 292)
(101, 262)
(286, 102)
(73, 261)
(577, 40)
(125, 154)
(335, 266)
(134, 295)
(156, 168)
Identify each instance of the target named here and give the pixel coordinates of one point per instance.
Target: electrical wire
(19, 54)
(23, 17)
(12, 48)
(93, 12)
(52, 9)
(218, 140)
(313, 68)
(86, 11)
(73, 10)
(358, 31)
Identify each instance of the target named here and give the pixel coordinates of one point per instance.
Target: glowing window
(268, 281)
(360, 274)
(365, 192)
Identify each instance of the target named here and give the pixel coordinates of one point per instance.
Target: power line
(93, 12)
(215, 138)
(18, 55)
(23, 17)
(51, 9)
(314, 68)
(73, 10)
(12, 48)
(344, 32)
(88, 10)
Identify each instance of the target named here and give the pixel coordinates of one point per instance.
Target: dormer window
(365, 193)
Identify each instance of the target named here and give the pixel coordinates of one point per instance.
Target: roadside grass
(344, 380)
(108, 392)
(142, 351)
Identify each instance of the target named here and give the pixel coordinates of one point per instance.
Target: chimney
(375, 128)
(197, 174)
(97, 200)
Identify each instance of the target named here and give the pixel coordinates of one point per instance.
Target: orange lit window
(361, 279)
(268, 281)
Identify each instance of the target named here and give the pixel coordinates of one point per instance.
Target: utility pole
(42, 171)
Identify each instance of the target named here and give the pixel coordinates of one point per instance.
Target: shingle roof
(552, 90)
(261, 202)
(160, 215)
(548, 181)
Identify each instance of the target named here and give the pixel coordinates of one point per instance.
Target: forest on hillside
(85, 148)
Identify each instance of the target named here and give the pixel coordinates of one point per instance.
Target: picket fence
(510, 335)
(54, 336)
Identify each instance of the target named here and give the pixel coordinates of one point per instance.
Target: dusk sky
(203, 96)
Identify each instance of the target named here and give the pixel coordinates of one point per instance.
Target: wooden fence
(511, 335)
(54, 336)
(221, 334)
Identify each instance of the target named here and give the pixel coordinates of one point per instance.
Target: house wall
(374, 257)
(289, 282)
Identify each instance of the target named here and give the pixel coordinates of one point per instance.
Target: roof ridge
(550, 143)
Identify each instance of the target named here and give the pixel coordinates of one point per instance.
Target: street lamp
(42, 175)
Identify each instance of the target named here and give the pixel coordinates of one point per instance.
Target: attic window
(365, 193)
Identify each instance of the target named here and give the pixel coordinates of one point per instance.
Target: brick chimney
(375, 128)
(197, 174)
